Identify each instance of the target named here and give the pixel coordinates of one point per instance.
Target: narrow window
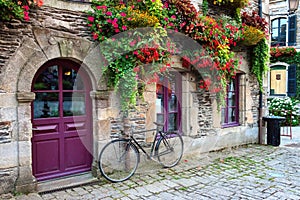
(230, 113)
(168, 97)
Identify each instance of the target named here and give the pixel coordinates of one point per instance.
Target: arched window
(279, 31)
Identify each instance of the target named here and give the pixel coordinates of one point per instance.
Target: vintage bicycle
(119, 159)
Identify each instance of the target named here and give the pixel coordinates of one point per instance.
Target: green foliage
(205, 7)
(285, 107)
(10, 9)
(132, 55)
(260, 61)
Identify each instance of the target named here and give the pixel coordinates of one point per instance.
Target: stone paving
(247, 172)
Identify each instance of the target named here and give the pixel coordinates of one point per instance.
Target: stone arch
(20, 71)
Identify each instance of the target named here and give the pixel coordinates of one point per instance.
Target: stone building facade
(57, 37)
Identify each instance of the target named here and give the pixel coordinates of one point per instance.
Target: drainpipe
(260, 107)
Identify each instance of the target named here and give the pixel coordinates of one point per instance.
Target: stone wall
(13, 34)
(53, 32)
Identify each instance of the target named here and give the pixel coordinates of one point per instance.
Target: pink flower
(95, 36)
(91, 19)
(117, 30)
(115, 20)
(173, 17)
(132, 43)
(129, 19)
(153, 1)
(135, 53)
(101, 7)
(166, 19)
(26, 16)
(123, 14)
(109, 13)
(136, 69)
(115, 25)
(26, 8)
(182, 24)
(124, 28)
(109, 21)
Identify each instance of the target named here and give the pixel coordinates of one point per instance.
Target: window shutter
(292, 80)
(292, 30)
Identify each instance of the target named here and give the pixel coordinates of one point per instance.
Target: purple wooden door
(61, 118)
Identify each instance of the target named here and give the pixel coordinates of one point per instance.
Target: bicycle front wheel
(169, 149)
(118, 160)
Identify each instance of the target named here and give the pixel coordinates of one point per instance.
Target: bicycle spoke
(169, 149)
(118, 160)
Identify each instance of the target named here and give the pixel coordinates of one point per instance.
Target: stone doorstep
(65, 182)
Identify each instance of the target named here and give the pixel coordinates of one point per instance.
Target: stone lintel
(25, 97)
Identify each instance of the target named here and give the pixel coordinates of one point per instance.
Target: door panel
(47, 156)
(62, 139)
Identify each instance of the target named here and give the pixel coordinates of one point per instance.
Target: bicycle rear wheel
(169, 149)
(118, 160)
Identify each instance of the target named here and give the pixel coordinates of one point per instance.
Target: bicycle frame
(151, 155)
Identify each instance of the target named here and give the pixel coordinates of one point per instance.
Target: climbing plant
(129, 59)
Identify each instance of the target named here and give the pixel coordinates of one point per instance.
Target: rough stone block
(8, 153)
(7, 180)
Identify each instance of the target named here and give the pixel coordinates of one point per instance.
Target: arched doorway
(61, 118)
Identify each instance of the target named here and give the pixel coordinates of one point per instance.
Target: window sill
(234, 124)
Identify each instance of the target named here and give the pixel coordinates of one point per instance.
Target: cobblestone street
(248, 172)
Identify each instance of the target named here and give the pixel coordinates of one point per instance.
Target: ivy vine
(260, 60)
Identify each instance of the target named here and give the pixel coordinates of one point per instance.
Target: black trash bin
(273, 129)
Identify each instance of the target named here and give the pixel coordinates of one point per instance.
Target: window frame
(236, 91)
(177, 92)
(276, 42)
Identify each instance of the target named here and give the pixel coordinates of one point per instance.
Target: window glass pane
(73, 103)
(231, 115)
(231, 99)
(159, 104)
(172, 103)
(229, 112)
(72, 80)
(160, 118)
(275, 23)
(172, 125)
(47, 80)
(46, 105)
